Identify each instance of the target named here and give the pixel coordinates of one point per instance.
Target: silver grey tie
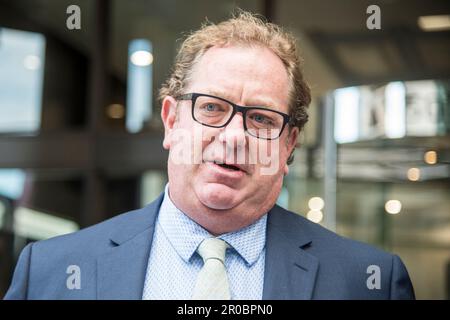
(212, 280)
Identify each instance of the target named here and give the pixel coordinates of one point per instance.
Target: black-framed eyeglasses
(215, 112)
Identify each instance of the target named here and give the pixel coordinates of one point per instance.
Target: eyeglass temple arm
(187, 96)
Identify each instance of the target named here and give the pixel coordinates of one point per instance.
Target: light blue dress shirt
(174, 264)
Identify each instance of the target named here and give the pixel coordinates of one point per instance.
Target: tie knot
(212, 248)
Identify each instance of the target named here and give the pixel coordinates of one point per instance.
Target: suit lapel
(121, 271)
(290, 271)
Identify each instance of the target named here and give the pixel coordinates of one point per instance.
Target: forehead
(245, 75)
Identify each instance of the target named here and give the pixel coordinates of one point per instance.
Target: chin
(218, 196)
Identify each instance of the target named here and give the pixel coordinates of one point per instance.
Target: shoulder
(323, 241)
(356, 268)
(47, 262)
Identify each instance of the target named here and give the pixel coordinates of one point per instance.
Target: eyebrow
(221, 94)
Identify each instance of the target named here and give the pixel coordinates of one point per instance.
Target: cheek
(207, 135)
(272, 153)
(267, 186)
(210, 146)
(188, 142)
(283, 149)
(284, 153)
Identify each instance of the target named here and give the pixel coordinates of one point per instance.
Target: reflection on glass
(2, 213)
(346, 114)
(422, 108)
(139, 87)
(115, 111)
(315, 216)
(316, 203)
(394, 110)
(430, 157)
(394, 117)
(32, 224)
(372, 113)
(393, 206)
(283, 198)
(152, 184)
(22, 56)
(413, 174)
(12, 183)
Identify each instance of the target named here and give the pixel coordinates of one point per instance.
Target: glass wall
(393, 175)
(22, 59)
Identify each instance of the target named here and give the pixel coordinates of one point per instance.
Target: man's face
(221, 198)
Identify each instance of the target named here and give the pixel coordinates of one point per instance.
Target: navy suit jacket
(303, 261)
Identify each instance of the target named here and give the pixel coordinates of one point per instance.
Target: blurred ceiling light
(413, 174)
(32, 62)
(115, 111)
(12, 183)
(315, 216)
(434, 23)
(316, 203)
(141, 58)
(393, 206)
(430, 157)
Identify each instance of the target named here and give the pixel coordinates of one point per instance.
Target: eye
(258, 118)
(261, 118)
(211, 107)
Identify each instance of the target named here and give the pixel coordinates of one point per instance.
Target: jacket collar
(121, 271)
(290, 271)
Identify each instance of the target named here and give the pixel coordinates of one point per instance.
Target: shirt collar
(185, 235)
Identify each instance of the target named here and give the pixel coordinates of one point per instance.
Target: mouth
(227, 166)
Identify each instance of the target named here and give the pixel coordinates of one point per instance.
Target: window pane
(22, 56)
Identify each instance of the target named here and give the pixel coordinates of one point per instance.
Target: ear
(290, 145)
(168, 116)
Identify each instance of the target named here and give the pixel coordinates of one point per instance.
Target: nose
(234, 133)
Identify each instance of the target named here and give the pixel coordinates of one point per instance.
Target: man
(232, 110)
